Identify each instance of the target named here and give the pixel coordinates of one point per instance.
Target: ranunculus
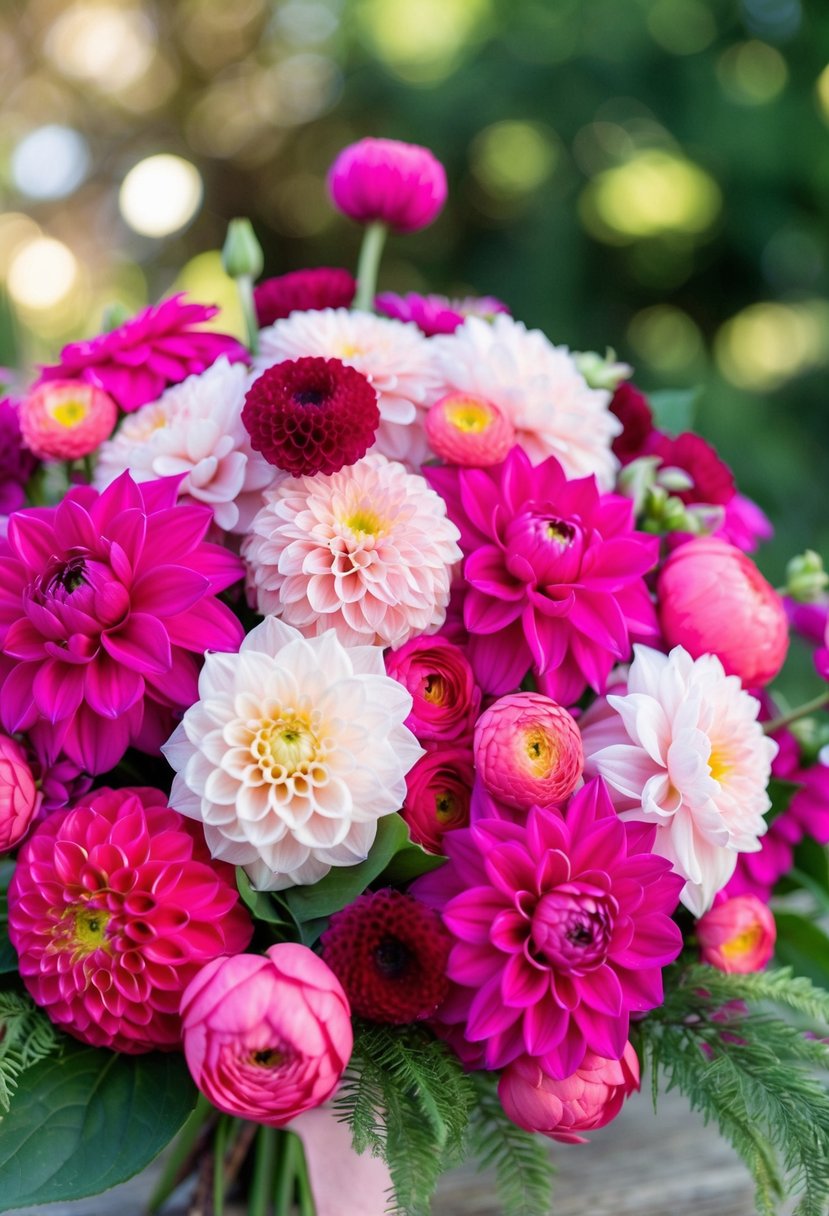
(267, 1037)
(66, 419)
(438, 793)
(439, 677)
(714, 600)
(583, 1102)
(385, 180)
(737, 935)
(19, 795)
(528, 751)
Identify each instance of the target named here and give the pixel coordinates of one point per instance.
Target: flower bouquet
(388, 763)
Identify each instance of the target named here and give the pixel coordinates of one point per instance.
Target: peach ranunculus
(737, 935)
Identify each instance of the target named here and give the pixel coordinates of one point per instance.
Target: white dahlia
(195, 428)
(367, 551)
(293, 752)
(538, 387)
(683, 749)
(394, 356)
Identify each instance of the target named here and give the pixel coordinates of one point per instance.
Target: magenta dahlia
(436, 314)
(107, 603)
(554, 574)
(137, 361)
(114, 906)
(301, 291)
(311, 415)
(561, 926)
(16, 463)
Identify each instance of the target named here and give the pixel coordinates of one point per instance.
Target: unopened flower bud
(806, 578)
(602, 371)
(242, 254)
(674, 480)
(637, 479)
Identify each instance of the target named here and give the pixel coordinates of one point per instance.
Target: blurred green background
(651, 175)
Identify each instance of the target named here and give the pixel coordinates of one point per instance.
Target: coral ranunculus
(528, 751)
(20, 797)
(737, 935)
(66, 419)
(267, 1037)
(388, 181)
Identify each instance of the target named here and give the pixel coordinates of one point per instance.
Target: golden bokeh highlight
(423, 41)
(666, 338)
(160, 195)
(513, 158)
(770, 342)
(655, 192)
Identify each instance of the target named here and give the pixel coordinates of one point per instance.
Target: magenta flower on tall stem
(388, 181)
(106, 601)
(554, 574)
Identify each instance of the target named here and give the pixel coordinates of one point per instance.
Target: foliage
(523, 1170)
(26, 1036)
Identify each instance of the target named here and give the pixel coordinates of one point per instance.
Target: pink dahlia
(561, 927)
(528, 751)
(390, 182)
(113, 908)
(438, 795)
(554, 574)
(157, 348)
(16, 463)
(437, 314)
(367, 551)
(20, 797)
(107, 603)
(66, 419)
(302, 291)
(439, 677)
(468, 430)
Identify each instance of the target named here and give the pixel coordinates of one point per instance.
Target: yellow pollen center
(69, 413)
(556, 531)
(743, 942)
(445, 806)
(270, 1057)
(718, 765)
(88, 933)
(292, 744)
(470, 416)
(364, 522)
(434, 690)
(349, 350)
(540, 752)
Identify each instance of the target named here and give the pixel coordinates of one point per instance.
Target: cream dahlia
(394, 357)
(367, 551)
(293, 752)
(538, 387)
(684, 750)
(195, 429)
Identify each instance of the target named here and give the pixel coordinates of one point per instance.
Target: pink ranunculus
(19, 795)
(466, 429)
(66, 419)
(583, 1102)
(714, 600)
(528, 751)
(267, 1037)
(439, 677)
(399, 184)
(438, 792)
(737, 935)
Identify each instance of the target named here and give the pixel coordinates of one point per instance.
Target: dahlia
(16, 463)
(395, 358)
(713, 481)
(105, 603)
(194, 432)
(553, 574)
(631, 407)
(561, 926)
(311, 415)
(157, 348)
(294, 751)
(367, 551)
(114, 906)
(389, 952)
(437, 314)
(687, 754)
(538, 387)
(528, 751)
(387, 181)
(301, 291)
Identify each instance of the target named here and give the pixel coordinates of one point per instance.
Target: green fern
(523, 1169)
(26, 1036)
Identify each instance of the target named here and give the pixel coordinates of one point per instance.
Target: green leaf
(88, 1119)
(813, 859)
(8, 957)
(803, 946)
(261, 904)
(673, 409)
(780, 793)
(408, 864)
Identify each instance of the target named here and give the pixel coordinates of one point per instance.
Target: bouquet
(389, 760)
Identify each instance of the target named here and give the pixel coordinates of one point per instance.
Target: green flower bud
(602, 371)
(806, 580)
(242, 254)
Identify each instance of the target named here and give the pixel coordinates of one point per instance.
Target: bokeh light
(110, 45)
(752, 73)
(160, 195)
(513, 158)
(50, 162)
(667, 339)
(41, 273)
(423, 40)
(656, 191)
(770, 342)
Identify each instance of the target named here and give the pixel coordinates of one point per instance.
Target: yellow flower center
(69, 412)
(364, 522)
(270, 1057)
(743, 942)
(472, 415)
(349, 350)
(446, 807)
(540, 752)
(82, 930)
(287, 747)
(718, 765)
(434, 690)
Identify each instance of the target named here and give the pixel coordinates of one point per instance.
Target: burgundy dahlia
(712, 478)
(303, 290)
(311, 415)
(633, 411)
(389, 952)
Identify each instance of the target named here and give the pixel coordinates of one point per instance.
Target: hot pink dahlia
(437, 314)
(554, 574)
(301, 291)
(561, 928)
(385, 180)
(367, 551)
(157, 348)
(107, 601)
(113, 908)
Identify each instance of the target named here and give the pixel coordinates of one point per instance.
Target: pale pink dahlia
(538, 387)
(107, 602)
(194, 431)
(66, 419)
(687, 754)
(113, 908)
(561, 927)
(294, 751)
(395, 358)
(367, 551)
(554, 574)
(528, 751)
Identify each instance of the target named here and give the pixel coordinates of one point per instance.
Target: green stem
(802, 711)
(374, 238)
(182, 1148)
(244, 285)
(307, 1206)
(283, 1194)
(261, 1186)
(220, 1141)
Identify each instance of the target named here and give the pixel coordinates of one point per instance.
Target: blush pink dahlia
(367, 552)
(464, 429)
(561, 928)
(294, 751)
(439, 678)
(107, 601)
(528, 751)
(66, 419)
(20, 797)
(301, 291)
(157, 348)
(437, 314)
(554, 574)
(686, 754)
(113, 908)
(390, 182)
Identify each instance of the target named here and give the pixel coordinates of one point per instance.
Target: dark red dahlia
(301, 290)
(631, 408)
(389, 952)
(311, 415)
(712, 478)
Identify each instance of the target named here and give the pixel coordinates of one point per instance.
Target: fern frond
(26, 1036)
(523, 1169)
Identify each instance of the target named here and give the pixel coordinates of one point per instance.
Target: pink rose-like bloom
(66, 419)
(438, 793)
(714, 600)
(554, 574)
(528, 751)
(19, 795)
(267, 1037)
(399, 184)
(463, 428)
(439, 677)
(737, 935)
(436, 314)
(301, 291)
(561, 927)
(583, 1102)
(113, 908)
(137, 361)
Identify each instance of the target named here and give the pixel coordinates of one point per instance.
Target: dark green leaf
(8, 957)
(781, 794)
(673, 409)
(813, 859)
(261, 904)
(408, 864)
(802, 946)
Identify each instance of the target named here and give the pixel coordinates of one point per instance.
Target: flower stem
(285, 1176)
(220, 1141)
(261, 1186)
(374, 238)
(180, 1153)
(307, 1206)
(244, 286)
(802, 711)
